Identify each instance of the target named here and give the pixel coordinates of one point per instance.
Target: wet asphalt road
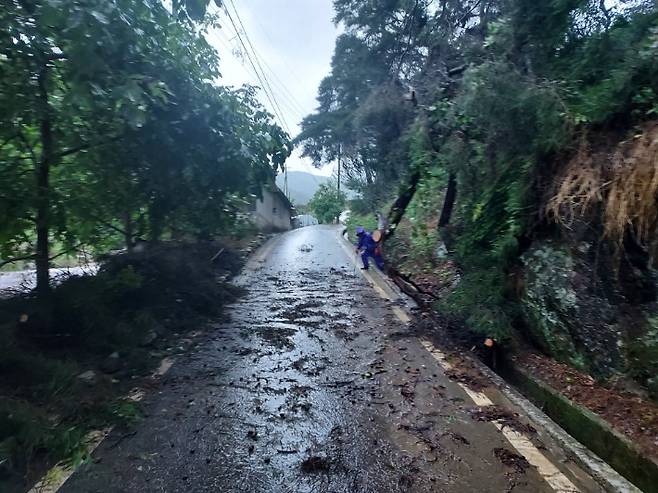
(313, 386)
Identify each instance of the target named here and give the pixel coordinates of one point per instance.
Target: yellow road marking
(60, 473)
(164, 367)
(401, 314)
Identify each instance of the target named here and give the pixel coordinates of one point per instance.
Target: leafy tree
(126, 134)
(327, 202)
(458, 113)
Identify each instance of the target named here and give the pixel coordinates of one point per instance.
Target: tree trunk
(448, 201)
(156, 220)
(400, 206)
(128, 232)
(42, 171)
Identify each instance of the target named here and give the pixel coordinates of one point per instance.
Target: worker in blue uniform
(368, 248)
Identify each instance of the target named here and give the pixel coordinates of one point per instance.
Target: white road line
(546, 469)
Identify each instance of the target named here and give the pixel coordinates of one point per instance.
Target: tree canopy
(461, 114)
(114, 124)
(453, 69)
(327, 202)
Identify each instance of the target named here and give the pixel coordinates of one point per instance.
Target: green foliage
(643, 354)
(26, 430)
(129, 135)
(163, 290)
(368, 221)
(502, 89)
(614, 73)
(479, 300)
(327, 202)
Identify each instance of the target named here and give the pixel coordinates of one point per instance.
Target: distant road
(26, 279)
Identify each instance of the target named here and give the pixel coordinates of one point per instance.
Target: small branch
(606, 13)
(56, 56)
(457, 70)
(464, 18)
(217, 255)
(32, 256)
(65, 252)
(110, 226)
(17, 259)
(29, 147)
(8, 140)
(84, 147)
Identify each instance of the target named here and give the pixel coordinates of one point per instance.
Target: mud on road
(313, 386)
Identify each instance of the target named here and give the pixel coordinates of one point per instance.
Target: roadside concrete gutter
(598, 469)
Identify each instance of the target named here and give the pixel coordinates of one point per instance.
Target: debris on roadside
(407, 391)
(510, 459)
(469, 376)
(315, 464)
(502, 416)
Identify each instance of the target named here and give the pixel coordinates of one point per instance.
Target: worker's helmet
(360, 231)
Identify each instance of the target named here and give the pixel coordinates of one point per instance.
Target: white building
(273, 212)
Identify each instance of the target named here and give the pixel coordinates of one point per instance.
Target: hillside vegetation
(517, 143)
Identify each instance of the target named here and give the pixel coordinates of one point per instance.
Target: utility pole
(338, 217)
(338, 168)
(285, 181)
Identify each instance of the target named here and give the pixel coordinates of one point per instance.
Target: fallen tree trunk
(400, 206)
(449, 201)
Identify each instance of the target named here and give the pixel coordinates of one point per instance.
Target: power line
(287, 95)
(253, 66)
(300, 108)
(271, 97)
(255, 53)
(287, 98)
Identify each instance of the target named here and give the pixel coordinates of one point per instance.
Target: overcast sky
(294, 40)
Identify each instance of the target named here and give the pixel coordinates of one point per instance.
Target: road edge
(592, 464)
(57, 475)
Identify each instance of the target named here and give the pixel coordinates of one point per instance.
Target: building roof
(276, 190)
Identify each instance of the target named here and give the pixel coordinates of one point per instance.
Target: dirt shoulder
(629, 414)
(68, 364)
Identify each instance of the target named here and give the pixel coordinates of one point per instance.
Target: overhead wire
(253, 66)
(257, 58)
(257, 64)
(286, 95)
(291, 95)
(287, 98)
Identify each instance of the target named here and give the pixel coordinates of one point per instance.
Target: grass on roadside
(66, 363)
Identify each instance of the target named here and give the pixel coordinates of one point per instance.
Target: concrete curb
(597, 468)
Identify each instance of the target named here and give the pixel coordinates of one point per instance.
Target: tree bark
(128, 231)
(448, 201)
(42, 172)
(400, 206)
(156, 220)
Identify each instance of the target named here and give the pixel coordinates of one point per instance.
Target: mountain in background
(301, 185)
